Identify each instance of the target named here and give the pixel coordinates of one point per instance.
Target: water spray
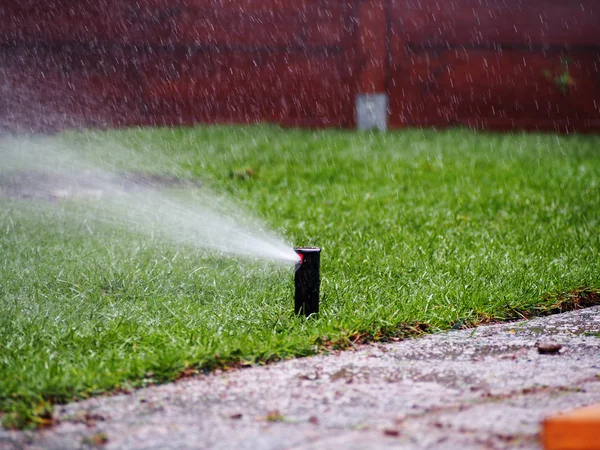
(307, 281)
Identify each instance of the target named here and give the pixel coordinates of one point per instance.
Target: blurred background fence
(485, 64)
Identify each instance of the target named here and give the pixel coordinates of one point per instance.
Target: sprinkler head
(307, 281)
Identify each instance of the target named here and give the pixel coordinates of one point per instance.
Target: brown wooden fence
(531, 64)
(495, 63)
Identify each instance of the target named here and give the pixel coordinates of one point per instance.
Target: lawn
(421, 231)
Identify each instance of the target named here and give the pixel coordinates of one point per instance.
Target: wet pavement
(488, 387)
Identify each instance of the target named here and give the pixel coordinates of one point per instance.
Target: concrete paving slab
(487, 387)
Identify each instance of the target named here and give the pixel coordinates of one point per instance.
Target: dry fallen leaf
(391, 432)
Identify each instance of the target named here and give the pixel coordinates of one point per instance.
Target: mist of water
(40, 174)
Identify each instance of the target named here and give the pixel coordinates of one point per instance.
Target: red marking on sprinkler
(301, 258)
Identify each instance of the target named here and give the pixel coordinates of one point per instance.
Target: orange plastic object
(573, 430)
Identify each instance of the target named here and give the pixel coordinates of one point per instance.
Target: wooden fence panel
(495, 64)
(269, 23)
(115, 63)
(500, 64)
(432, 23)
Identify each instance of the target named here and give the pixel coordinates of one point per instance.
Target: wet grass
(420, 230)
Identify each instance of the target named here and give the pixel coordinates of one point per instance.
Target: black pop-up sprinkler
(307, 281)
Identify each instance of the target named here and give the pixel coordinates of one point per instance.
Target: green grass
(441, 228)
